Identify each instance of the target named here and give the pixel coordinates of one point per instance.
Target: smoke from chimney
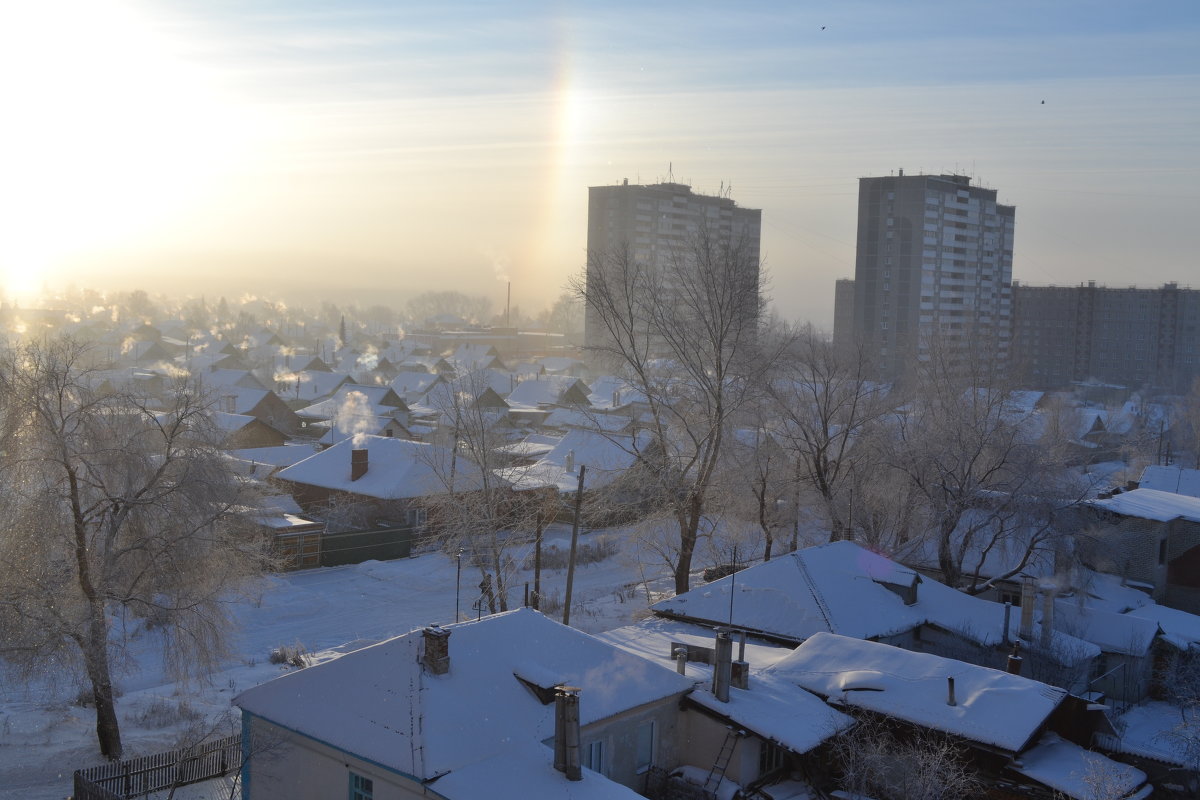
(1027, 601)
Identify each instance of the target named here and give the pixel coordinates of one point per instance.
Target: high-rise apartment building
(933, 268)
(658, 226)
(1138, 338)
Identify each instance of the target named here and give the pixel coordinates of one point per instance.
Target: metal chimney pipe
(950, 700)
(1028, 598)
(566, 732)
(1014, 659)
(722, 665)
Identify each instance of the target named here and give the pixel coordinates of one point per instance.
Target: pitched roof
(396, 468)
(1151, 504)
(380, 704)
(841, 588)
(992, 707)
(1171, 479)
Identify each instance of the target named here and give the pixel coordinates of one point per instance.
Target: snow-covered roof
(606, 457)
(396, 469)
(525, 770)
(545, 390)
(839, 588)
(1112, 632)
(1179, 628)
(1151, 504)
(777, 710)
(992, 707)
(376, 401)
(1151, 729)
(588, 420)
(1179, 480)
(380, 704)
(1076, 772)
(281, 456)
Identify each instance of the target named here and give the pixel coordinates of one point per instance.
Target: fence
(120, 780)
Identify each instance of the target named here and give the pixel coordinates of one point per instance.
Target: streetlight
(457, 580)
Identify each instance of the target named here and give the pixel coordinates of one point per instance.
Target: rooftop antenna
(670, 172)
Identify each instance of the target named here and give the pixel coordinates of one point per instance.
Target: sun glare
(109, 131)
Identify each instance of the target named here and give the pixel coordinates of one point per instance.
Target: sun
(109, 131)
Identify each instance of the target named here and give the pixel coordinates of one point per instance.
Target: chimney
(358, 464)
(570, 461)
(1014, 659)
(739, 675)
(950, 700)
(1047, 615)
(722, 665)
(1027, 601)
(566, 732)
(437, 650)
(681, 660)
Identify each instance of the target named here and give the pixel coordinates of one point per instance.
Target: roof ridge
(822, 606)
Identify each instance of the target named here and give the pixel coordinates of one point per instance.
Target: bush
(162, 713)
(593, 552)
(295, 655)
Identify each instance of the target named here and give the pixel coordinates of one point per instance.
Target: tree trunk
(95, 656)
(689, 524)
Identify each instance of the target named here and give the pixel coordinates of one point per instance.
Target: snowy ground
(44, 736)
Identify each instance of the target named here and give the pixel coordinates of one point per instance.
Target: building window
(417, 517)
(770, 758)
(593, 756)
(361, 788)
(644, 755)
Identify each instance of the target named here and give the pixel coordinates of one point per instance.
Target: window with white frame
(361, 787)
(644, 743)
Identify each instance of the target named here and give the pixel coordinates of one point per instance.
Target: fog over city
(389, 149)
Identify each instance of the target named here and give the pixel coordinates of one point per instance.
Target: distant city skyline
(379, 149)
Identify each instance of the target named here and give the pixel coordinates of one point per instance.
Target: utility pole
(574, 547)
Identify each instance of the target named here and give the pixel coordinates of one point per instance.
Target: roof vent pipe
(681, 660)
(566, 732)
(950, 700)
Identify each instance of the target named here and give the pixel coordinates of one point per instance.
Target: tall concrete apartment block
(934, 264)
(659, 223)
(1138, 338)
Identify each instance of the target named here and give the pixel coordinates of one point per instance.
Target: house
(479, 709)
(393, 480)
(550, 390)
(846, 589)
(1015, 729)
(240, 431)
(262, 404)
(1149, 537)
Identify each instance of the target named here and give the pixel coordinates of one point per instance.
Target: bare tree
(116, 517)
(984, 473)
(887, 762)
(478, 511)
(827, 404)
(683, 333)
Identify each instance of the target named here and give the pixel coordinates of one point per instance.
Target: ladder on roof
(717, 773)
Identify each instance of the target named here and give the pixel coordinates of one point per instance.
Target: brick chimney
(358, 464)
(437, 650)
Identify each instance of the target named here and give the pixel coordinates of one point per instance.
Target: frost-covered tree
(118, 516)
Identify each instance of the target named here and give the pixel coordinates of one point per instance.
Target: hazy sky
(366, 151)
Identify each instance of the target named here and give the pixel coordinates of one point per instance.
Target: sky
(366, 151)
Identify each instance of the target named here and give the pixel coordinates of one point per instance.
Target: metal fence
(120, 780)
